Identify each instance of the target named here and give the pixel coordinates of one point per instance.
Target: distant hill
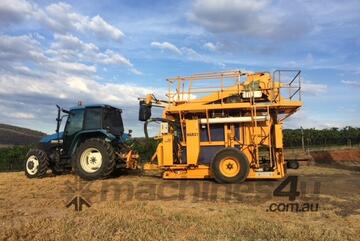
(14, 135)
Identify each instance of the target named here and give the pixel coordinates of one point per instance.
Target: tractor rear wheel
(230, 165)
(36, 163)
(94, 159)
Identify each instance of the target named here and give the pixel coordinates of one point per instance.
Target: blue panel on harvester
(216, 132)
(207, 153)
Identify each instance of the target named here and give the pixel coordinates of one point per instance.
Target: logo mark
(78, 202)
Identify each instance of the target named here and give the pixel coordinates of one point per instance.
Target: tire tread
(109, 164)
(244, 166)
(43, 162)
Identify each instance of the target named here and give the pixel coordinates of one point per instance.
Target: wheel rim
(32, 165)
(91, 160)
(229, 167)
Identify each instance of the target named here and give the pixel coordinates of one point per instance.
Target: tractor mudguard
(86, 134)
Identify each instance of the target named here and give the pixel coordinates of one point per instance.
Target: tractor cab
(86, 120)
(99, 126)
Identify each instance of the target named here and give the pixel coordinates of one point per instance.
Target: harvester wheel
(94, 159)
(230, 165)
(36, 163)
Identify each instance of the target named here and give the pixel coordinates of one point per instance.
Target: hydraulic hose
(146, 125)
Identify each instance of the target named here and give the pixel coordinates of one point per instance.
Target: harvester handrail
(208, 76)
(184, 88)
(186, 91)
(288, 84)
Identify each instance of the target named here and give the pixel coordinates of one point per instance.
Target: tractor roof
(94, 106)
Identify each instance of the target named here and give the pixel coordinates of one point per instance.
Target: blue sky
(115, 51)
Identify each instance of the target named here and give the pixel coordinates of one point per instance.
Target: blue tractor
(93, 145)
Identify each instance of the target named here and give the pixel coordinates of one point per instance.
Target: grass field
(148, 208)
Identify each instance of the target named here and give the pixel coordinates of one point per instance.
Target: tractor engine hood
(52, 138)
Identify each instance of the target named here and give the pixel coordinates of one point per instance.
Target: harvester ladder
(253, 128)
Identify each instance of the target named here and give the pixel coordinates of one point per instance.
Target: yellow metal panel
(199, 107)
(265, 175)
(200, 172)
(192, 141)
(160, 154)
(168, 149)
(150, 167)
(278, 136)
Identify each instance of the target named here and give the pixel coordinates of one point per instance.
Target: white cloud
(101, 27)
(311, 88)
(189, 53)
(14, 11)
(34, 97)
(37, 73)
(211, 46)
(351, 83)
(14, 48)
(72, 67)
(20, 115)
(59, 17)
(193, 55)
(72, 87)
(252, 18)
(67, 55)
(68, 47)
(33, 78)
(305, 119)
(110, 57)
(166, 45)
(136, 71)
(70, 42)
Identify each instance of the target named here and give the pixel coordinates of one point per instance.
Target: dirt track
(148, 208)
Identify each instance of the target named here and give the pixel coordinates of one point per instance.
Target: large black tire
(293, 164)
(36, 163)
(229, 166)
(83, 166)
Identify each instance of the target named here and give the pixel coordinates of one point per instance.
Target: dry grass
(35, 210)
(322, 170)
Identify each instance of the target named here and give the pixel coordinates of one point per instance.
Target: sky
(113, 52)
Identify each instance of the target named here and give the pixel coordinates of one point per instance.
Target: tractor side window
(113, 121)
(75, 121)
(93, 118)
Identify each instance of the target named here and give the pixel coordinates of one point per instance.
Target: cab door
(74, 124)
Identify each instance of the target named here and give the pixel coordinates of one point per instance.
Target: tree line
(324, 137)
(13, 158)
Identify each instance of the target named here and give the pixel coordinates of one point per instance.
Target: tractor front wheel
(36, 163)
(94, 159)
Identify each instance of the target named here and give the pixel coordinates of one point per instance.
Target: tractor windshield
(113, 121)
(74, 122)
